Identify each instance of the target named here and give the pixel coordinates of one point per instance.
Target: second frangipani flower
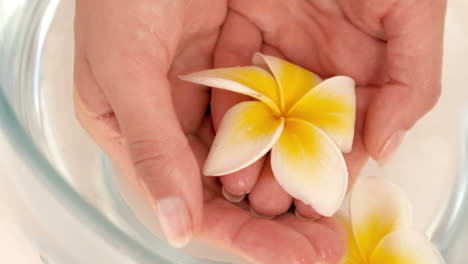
(379, 226)
(304, 121)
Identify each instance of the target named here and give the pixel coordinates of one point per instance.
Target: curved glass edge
(451, 233)
(23, 30)
(54, 183)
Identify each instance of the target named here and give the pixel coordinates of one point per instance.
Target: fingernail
(175, 221)
(231, 197)
(252, 211)
(390, 146)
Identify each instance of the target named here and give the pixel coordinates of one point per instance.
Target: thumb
(125, 50)
(160, 152)
(414, 34)
(133, 120)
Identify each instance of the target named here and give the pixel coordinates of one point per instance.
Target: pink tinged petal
(246, 133)
(309, 166)
(293, 81)
(332, 107)
(377, 208)
(249, 80)
(405, 246)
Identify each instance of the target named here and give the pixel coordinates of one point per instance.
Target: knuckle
(152, 159)
(143, 150)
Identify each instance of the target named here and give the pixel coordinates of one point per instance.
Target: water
(425, 166)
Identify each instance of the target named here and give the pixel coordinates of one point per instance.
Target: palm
(319, 38)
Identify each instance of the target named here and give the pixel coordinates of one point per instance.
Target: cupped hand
(391, 48)
(158, 129)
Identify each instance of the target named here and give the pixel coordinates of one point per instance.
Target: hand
(392, 48)
(156, 128)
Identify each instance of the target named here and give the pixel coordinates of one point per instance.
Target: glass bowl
(77, 208)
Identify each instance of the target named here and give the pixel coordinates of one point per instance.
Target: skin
(158, 130)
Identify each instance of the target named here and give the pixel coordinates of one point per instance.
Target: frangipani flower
(379, 227)
(305, 121)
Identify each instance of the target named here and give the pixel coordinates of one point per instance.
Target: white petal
(377, 208)
(405, 246)
(249, 80)
(246, 133)
(293, 80)
(309, 166)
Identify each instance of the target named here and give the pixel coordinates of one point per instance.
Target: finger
(159, 150)
(258, 240)
(133, 80)
(205, 137)
(358, 157)
(169, 174)
(305, 211)
(237, 184)
(268, 198)
(110, 139)
(238, 41)
(414, 34)
(160, 153)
